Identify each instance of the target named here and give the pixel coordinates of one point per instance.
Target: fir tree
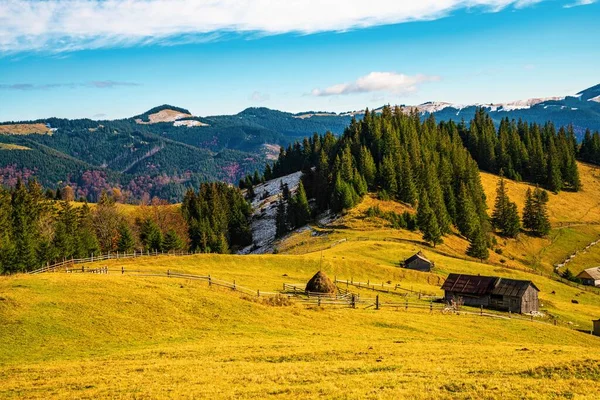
(367, 167)
(150, 235)
(301, 209)
(427, 222)
(281, 227)
(478, 245)
(172, 241)
(467, 220)
(505, 217)
(126, 243)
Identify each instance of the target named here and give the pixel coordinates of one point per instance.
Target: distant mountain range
(167, 149)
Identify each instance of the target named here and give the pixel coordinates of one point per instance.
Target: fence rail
(386, 288)
(102, 257)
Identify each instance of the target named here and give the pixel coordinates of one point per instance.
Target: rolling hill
(144, 336)
(163, 151)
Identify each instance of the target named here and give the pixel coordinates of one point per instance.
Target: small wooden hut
(418, 262)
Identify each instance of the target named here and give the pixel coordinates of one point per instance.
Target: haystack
(320, 283)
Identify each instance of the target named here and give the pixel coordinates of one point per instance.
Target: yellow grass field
(7, 146)
(136, 336)
(25, 129)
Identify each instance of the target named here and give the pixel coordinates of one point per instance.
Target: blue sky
(95, 60)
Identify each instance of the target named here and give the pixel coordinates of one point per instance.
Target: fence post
(353, 301)
(377, 302)
(431, 307)
(319, 301)
(169, 273)
(122, 270)
(406, 305)
(481, 309)
(258, 293)
(234, 284)
(209, 281)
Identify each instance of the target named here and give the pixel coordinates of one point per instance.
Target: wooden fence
(386, 288)
(70, 263)
(344, 300)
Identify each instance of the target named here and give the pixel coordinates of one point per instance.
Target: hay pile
(320, 283)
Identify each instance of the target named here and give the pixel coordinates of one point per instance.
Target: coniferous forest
(435, 168)
(37, 229)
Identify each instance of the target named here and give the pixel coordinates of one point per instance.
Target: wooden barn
(492, 292)
(596, 330)
(418, 262)
(590, 276)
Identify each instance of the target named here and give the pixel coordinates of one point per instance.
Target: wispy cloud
(390, 82)
(71, 85)
(579, 3)
(65, 25)
(259, 97)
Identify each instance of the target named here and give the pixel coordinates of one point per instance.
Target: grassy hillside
(128, 336)
(575, 219)
(90, 336)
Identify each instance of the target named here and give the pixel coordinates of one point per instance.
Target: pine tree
(150, 235)
(65, 236)
(24, 232)
(555, 181)
(367, 167)
(408, 191)
(529, 212)
(87, 241)
(512, 225)
(427, 221)
(506, 216)
(172, 241)
(387, 176)
(301, 208)
(126, 243)
(281, 227)
(478, 245)
(467, 220)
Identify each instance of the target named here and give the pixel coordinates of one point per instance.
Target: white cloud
(65, 25)
(71, 85)
(259, 97)
(389, 82)
(579, 3)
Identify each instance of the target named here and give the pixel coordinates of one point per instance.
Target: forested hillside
(433, 168)
(144, 159)
(36, 228)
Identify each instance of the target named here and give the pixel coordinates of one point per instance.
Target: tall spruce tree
(505, 217)
(478, 247)
(467, 220)
(126, 243)
(427, 221)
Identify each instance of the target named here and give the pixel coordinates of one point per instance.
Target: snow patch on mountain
(596, 99)
(264, 211)
(189, 123)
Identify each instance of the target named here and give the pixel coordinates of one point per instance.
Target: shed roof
(469, 284)
(590, 273)
(482, 285)
(512, 287)
(419, 255)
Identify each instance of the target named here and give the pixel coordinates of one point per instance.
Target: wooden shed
(492, 292)
(418, 262)
(596, 330)
(590, 276)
